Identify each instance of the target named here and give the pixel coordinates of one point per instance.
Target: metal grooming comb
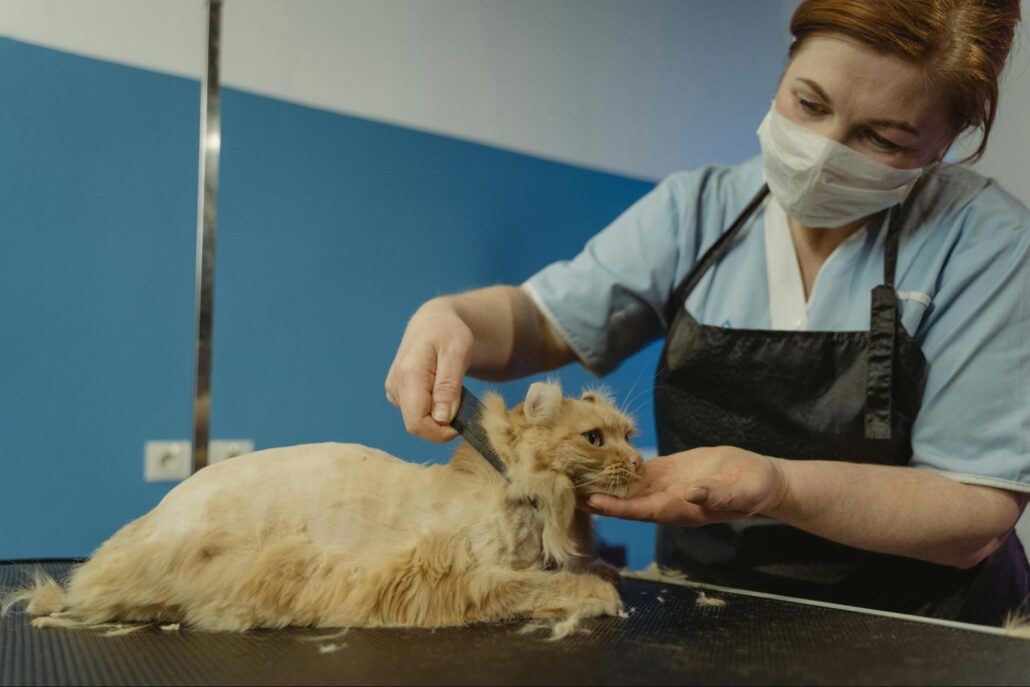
(468, 422)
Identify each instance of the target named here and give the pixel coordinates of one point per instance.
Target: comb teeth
(468, 422)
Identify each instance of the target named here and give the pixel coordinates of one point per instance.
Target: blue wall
(98, 168)
(332, 230)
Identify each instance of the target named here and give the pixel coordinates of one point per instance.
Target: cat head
(586, 440)
(560, 448)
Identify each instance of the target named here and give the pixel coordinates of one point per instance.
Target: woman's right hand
(425, 378)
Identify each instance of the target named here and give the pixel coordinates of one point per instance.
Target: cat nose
(637, 461)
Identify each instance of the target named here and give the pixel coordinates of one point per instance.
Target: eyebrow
(817, 88)
(880, 123)
(894, 124)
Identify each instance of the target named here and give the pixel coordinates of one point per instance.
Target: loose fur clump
(655, 573)
(342, 535)
(710, 601)
(330, 648)
(1017, 625)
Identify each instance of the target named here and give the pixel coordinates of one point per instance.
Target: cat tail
(44, 596)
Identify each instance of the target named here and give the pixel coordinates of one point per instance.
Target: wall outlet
(224, 449)
(172, 461)
(167, 461)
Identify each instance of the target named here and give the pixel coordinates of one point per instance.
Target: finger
(696, 494)
(414, 400)
(638, 508)
(433, 431)
(451, 363)
(388, 387)
(737, 496)
(412, 392)
(581, 504)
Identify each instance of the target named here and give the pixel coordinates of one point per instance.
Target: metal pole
(207, 212)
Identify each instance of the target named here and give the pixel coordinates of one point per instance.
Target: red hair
(961, 44)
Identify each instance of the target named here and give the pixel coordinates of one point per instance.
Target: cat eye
(595, 437)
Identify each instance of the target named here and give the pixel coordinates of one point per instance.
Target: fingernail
(440, 412)
(696, 495)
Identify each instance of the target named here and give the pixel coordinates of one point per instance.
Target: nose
(637, 461)
(834, 132)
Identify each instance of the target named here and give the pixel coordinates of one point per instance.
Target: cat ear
(599, 394)
(542, 401)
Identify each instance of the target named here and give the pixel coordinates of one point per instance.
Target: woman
(841, 401)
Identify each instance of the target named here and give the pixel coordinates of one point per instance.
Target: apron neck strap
(896, 218)
(711, 256)
(898, 214)
(883, 329)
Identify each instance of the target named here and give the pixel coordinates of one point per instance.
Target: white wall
(638, 88)
(163, 35)
(1008, 151)
(609, 84)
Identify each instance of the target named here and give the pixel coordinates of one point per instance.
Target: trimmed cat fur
(340, 535)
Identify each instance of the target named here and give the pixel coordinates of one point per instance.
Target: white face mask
(822, 183)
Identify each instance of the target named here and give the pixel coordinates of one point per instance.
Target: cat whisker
(629, 394)
(619, 471)
(632, 411)
(645, 393)
(592, 480)
(627, 405)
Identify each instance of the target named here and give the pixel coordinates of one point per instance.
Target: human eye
(811, 107)
(881, 142)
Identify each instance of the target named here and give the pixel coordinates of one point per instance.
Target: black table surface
(668, 639)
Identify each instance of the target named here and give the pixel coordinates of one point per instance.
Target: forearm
(511, 338)
(896, 510)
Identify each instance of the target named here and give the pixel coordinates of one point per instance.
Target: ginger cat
(342, 535)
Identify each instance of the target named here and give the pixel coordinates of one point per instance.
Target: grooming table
(668, 639)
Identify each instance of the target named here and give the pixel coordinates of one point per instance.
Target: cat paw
(603, 598)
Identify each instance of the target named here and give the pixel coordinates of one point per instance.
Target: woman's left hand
(699, 487)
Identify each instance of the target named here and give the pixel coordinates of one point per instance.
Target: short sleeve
(974, 422)
(608, 301)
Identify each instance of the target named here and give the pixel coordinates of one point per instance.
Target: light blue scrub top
(963, 278)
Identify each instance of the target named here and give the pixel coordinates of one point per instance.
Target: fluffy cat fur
(340, 535)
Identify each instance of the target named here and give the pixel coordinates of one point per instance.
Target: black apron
(848, 396)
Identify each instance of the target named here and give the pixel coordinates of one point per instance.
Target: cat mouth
(612, 482)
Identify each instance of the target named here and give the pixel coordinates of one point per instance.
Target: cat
(342, 535)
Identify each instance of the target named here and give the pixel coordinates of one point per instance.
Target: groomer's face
(877, 104)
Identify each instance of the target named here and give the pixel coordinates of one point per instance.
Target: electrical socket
(167, 461)
(224, 449)
(172, 461)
